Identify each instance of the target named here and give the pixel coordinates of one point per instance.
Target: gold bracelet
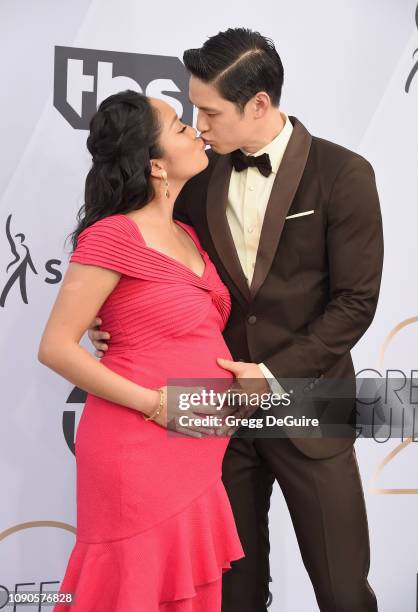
(160, 407)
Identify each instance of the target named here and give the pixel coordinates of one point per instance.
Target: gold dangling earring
(164, 177)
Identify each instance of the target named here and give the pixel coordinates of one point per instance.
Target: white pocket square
(302, 214)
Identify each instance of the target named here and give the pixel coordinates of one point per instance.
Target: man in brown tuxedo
(296, 236)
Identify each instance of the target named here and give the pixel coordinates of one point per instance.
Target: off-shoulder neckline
(185, 227)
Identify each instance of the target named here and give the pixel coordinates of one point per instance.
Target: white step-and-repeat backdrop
(350, 77)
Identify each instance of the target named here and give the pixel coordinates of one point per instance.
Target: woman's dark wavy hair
(123, 138)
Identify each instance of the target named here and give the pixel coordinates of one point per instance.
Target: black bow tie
(240, 161)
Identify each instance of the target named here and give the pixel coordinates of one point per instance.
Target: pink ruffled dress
(155, 529)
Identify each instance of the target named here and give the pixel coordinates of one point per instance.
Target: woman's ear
(156, 168)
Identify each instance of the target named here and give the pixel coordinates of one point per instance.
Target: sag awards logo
(36, 536)
(22, 265)
(415, 66)
(85, 77)
(375, 487)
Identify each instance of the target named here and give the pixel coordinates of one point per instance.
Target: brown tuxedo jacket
(317, 277)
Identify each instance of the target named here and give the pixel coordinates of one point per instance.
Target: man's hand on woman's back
(98, 337)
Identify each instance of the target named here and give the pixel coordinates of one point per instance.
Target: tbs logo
(85, 77)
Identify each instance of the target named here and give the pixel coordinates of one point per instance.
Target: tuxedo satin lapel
(217, 197)
(283, 191)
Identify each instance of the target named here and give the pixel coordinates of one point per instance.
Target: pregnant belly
(145, 465)
(193, 359)
(181, 362)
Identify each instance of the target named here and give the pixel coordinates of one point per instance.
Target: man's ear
(261, 103)
(156, 168)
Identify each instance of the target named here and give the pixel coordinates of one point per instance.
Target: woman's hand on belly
(179, 405)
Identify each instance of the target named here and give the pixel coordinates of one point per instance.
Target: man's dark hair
(239, 63)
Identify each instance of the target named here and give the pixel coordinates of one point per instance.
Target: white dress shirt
(248, 195)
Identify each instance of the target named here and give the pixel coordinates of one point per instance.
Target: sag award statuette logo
(415, 66)
(22, 265)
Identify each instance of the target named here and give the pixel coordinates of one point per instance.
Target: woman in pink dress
(155, 529)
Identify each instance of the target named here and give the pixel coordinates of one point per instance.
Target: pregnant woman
(155, 530)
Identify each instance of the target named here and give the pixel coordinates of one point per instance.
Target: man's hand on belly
(250, 376)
